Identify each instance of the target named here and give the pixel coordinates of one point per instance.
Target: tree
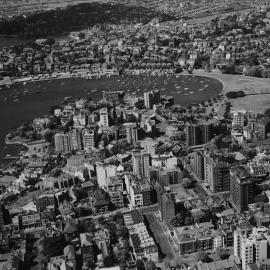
(89, 226)
(221, 253)
(108, 261)
(201, 216)
(203, 256)
(235, 94)
(54, 246)
(131, 118)
(188, 183)
(112, 228)
(140, 265)
(48, 136)
(80, 193)
(101, 220)
(123, 232)
(150, 265)
(50, 41)
(81, 35)
(86, 175)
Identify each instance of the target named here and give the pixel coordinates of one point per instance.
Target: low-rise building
(143, 243)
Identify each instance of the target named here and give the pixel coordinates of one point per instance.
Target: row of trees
(235, 94)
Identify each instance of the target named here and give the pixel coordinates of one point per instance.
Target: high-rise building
(167, 206)
(251, 247)
(216, 173)
(63, 142)
(136, 196)
(141, 162)
(146, 193)
(198, 133)
(79, 120)
(238, 119)
(2, 222)
(263, 128)
(104, 117)
(89, 138)
(77, 139)
(113, 96)
(151, 98)
(132, 132)
(242, 188)
(198, 165)
(149, 145)
(165, 176)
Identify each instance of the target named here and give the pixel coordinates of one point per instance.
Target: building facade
(242, 188)
(141, 163)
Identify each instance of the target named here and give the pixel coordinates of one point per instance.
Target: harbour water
(23, 102)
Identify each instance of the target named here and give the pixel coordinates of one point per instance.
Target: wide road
(149, 209)
(160, 236)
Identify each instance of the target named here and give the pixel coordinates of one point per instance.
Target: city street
(160, 236)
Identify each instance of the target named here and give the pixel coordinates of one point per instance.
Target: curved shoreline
(256, 89)
(196, 74)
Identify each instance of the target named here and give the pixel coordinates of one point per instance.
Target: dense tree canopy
(55, 22)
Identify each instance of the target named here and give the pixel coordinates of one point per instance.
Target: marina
(23, 102)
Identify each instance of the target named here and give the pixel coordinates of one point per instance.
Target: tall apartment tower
(167, 206)
(88, 138)
(251, 247)
(216, 173)
(104, 117)
(141, 163)
(242, 188)
(198, 166)
(151, 98)
(77, 139)
(132, 132)
(63, 142)
(199, 133)
(2, 224)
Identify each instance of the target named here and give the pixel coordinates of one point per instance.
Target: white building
(79, 120)
(251, 247)
(164, 160)
(103, 172)
(104, 117)
(88, 137)
(143, 244)
(238, 119)
(136, 197)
